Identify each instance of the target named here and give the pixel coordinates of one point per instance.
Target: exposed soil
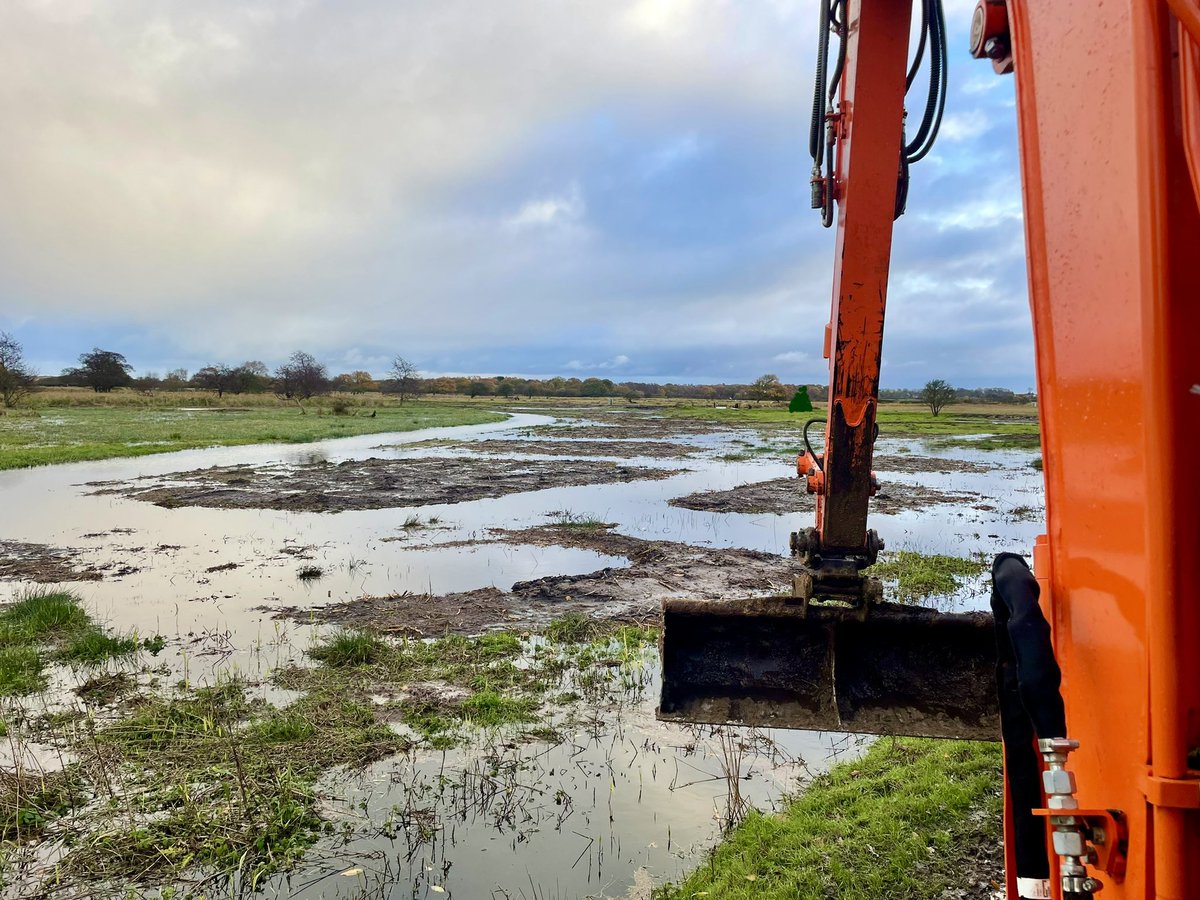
(372, 483)
(42, 564)
(906, 462)
(594, 447)
(782, 496)
(656, 570)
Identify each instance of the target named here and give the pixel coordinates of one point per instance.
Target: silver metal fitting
(1069, 837)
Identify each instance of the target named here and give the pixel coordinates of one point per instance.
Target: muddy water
(618, 804)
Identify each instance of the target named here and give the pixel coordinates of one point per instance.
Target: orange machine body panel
(1113, 240)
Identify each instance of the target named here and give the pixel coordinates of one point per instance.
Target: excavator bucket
(775, 662)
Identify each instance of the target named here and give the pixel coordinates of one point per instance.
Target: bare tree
(16, 378)
(936, 394)
(405, 377)
(301, 377)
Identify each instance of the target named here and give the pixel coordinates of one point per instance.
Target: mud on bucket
(770, 662)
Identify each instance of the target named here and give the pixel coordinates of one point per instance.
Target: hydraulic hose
(816, 130)
(935, 26)
(1031, 706)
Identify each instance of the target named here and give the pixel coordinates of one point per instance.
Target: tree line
(303, 376)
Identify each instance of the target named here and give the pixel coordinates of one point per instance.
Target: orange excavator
(1089, 665)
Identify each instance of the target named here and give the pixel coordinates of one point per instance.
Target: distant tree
(597, 387)
(936, 394)
(146, 384)
(405, 378)
(176, 380)
(103, 370)
(767, 387)
(479, 387)
(301, 377)
(251, 377)
(214, 378)
(361, 381)
(16, 378)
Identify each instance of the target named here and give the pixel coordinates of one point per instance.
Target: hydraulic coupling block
(1080, 836)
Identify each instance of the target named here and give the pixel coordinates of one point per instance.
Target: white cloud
(565, 208)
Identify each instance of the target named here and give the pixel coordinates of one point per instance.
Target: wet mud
(372, 483)
(913, 462)
(615, 449)
(633, 593)
(782, 496)
(43, 565)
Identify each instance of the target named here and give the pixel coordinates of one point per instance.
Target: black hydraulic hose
(920, 54)
(929, 14)
(1031, 706)
(935, 103)
(808, 446)
(816, 129)
(840, 66)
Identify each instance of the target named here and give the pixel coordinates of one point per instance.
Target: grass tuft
(573, 628)
(918, 576)
(348, 648)
(43, 614)
(22, 671)
(92, 647)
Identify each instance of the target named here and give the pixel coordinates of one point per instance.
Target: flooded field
(245, 559)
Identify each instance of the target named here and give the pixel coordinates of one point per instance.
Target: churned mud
(371, 483)
(617, 449)
(42, 564)
(633, 593)
(782, 496)
(913, 462)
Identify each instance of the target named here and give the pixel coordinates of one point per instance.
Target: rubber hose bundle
(1031, 705)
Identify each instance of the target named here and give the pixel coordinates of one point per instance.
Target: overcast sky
(609, 187)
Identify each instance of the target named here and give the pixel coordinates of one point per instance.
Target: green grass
(918, 575)
(92, 647)
(29, 801)
(568, 519)
(1010, 441)
(574, 628)
(42, 614)
(349, 648)
(69, 433)
(22, 671)
(895, 420)
(455, 683)
(52, 625)
(489, 709)
(904, 821)
(221, 780)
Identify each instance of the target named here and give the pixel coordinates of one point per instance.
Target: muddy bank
(42, 564)
(656, 570)
(615, 449)
(782, 496)
(913, 462)
(371, 483)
